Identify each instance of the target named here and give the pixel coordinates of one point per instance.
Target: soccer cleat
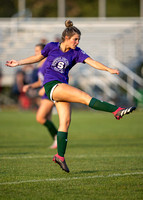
(120, 112)
(63, 164)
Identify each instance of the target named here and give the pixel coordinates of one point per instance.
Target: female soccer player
(44, 111)
(61, 57)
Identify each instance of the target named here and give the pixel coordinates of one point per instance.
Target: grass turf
(104, 155)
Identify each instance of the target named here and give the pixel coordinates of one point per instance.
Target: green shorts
(49, 88)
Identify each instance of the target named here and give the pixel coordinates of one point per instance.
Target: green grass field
(104, 155)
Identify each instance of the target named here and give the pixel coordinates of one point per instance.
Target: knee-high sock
(62, 142)
(102, 105)
(51, 127)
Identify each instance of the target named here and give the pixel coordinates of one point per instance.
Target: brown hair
(70, 30)
(41, 45)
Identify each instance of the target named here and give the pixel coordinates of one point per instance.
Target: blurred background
(112, 33)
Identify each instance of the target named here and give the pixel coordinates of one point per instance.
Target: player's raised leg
(65, 92)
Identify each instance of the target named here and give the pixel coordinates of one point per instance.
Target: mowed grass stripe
(75, 156)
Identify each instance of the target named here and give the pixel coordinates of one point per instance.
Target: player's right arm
(29, 60)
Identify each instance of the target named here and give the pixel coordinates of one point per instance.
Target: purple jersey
(58, 63)
(41, 72)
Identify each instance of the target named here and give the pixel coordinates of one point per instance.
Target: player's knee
(39, 119)
(64, 124)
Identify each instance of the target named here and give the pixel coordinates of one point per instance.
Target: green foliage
(43, 8)
(83, 8)
(8, 8)
(74, 8)
(101, 152)
(123, 8)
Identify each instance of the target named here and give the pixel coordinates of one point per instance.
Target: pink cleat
(120, 112)
(61, 161)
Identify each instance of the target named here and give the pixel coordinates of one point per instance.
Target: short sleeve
(81, 56)
(46, 50)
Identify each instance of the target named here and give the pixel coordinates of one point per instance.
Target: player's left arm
(100, 66)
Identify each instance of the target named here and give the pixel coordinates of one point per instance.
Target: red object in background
(24, 101)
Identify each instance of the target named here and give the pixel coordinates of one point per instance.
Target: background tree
(74, 8)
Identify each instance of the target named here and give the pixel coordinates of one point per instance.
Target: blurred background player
(44, 112)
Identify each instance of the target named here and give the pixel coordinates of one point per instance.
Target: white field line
(68, 156)
(72, 178)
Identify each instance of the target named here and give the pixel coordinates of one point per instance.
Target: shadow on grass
(97, 171)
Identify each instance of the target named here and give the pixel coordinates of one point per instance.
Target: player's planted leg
(62, 144)
(64, 112)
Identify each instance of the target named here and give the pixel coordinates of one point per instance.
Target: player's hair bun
(68, 23)
(70, 30)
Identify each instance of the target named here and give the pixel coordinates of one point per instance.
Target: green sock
(102, 105)
(51, 127)
(62, 142)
